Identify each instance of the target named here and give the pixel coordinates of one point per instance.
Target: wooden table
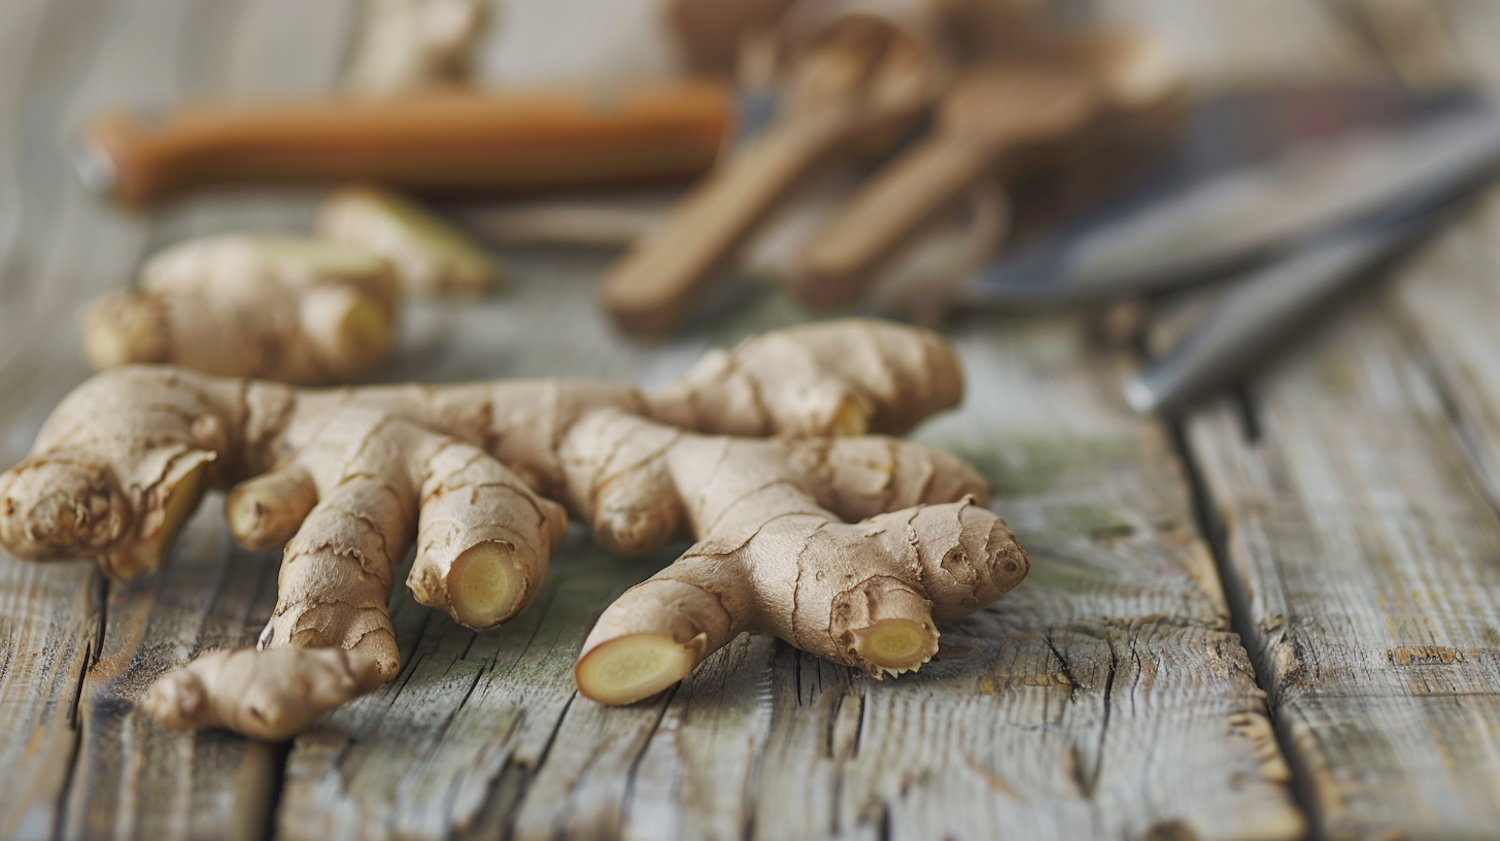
(1281, 616)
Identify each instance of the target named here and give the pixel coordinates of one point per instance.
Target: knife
(449, 141)
(1264, 308)
(1256, 171)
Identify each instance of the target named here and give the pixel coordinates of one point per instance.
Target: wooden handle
(450, 141)
(885, 216)
(654, 286)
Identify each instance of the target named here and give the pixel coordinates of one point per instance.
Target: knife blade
(1265, 308)
(1256, 172)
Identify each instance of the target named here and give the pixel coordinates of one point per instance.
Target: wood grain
(77, 650)
(1365, 547)
(131, 778)
(1443, 305)
(52, 617)
(1360, 533)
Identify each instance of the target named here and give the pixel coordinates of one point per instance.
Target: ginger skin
(284, 690)
(835, 378)
(351, 477)
(281, 308)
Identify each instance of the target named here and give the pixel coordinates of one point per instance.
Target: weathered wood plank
(132, 779)
(1366, 550)
(1229, 43)
(1362, 542)
(1105, 697)
(50, 616)
(468, 715)
(80, 652)
(1446, 302)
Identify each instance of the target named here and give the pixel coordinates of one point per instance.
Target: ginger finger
(268, 509)
(338, 568)
(429, 256)
(844, 377)
(858, 477)
(773, 559)
(272, 695)
(485, 538)
(406, 46)
(862, 596)
(282, 308)
(336, 580)
(621, 477)
(168, 438)
(66, 504)
(482, 547)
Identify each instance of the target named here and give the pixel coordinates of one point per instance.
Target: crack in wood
(1248, 412)
(635, 763)
(1109, 687)
(99, 604)
(796, 674)
(1062, 665)
(1241, 616)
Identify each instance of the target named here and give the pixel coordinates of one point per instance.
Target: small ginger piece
(352, 477)
(273, 695)
(775, 554)
(283, 308)
(843, 377)
(428, 254)
(406, 46)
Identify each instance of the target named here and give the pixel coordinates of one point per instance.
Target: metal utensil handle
(1260, 312)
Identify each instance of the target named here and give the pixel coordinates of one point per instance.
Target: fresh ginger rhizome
(764, 454)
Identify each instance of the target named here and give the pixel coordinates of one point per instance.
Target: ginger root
(285, 689)
(775, 554)
(282, 308)
(835, 378)
(428, 255)
(406, 46)
(351, 477)
(298, 310)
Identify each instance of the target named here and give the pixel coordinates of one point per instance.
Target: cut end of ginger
(631, 668)
(851, 418)
(182, 500)
(896, 645)
(484, 586)
(364, 330)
